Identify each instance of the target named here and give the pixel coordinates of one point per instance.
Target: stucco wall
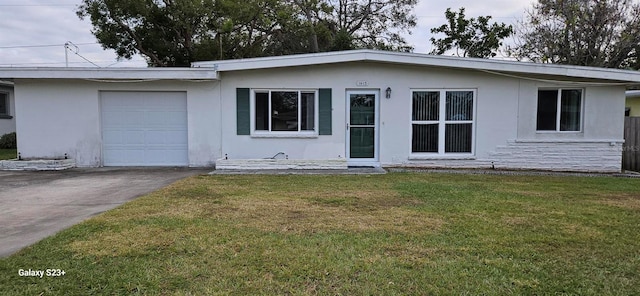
(63, 116)
(494, 101)
(505, 118)
(8, 125)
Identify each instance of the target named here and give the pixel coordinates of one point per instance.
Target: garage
(144, 128)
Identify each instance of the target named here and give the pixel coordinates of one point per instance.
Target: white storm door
(362, 127)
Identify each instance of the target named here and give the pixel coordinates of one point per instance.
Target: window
(442, 121)
(285, 111)
(4, 104)
(559, 110)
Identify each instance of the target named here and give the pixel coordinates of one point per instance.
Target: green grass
(8, 154)
(394, 234)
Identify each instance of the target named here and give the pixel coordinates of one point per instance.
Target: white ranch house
(357, 108)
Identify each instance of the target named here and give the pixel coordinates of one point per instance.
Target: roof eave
(110, 74)
(632, 77)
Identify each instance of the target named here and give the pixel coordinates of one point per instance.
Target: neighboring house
(632, 104)
(7, 111)
(366, 107)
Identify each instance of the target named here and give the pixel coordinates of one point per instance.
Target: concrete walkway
(349, 171)
(35, 205)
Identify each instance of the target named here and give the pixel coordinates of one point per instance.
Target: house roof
(552, 71)
(209, 70)
(108, 73)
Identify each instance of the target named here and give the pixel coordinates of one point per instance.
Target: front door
(362, 127)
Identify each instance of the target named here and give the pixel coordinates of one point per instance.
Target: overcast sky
(33, 32)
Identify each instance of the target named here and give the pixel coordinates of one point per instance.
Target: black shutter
(325, 109)
(243, 119)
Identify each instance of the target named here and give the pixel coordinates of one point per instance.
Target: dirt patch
(627, 201)
(136, 240)
(301, 216)
(517, 221)
(582, 231)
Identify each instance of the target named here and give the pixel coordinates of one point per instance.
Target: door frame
(375, 161)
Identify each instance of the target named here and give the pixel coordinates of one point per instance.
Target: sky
(33, 32)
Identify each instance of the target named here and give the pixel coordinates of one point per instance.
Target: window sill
(558, 132)
(569, 141)
(6, 117)
(285, 135)
(441, 157)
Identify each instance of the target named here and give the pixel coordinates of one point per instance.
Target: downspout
(215, 67)
(518, 109)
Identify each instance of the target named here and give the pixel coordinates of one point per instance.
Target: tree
(375, 24)
(167, 33)
(470, 37)
(348, 24)
(257, 28)
(581, 32)
(178, 32)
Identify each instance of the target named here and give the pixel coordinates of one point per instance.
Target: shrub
(8, 141)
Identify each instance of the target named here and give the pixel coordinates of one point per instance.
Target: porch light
(388, 93)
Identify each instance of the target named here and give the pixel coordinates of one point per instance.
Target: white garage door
(144, 128)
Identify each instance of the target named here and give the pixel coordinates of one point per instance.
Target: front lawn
(393, 234)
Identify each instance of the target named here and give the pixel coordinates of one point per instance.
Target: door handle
(347, 126)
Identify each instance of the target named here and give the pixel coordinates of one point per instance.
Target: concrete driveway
(34, 205)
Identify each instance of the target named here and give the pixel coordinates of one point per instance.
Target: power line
(67, 49)
(62, 63)
(43, 45)
(38, 5)
(85, 59)
(492, 17)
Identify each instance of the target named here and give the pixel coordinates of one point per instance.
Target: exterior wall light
(388, 93)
